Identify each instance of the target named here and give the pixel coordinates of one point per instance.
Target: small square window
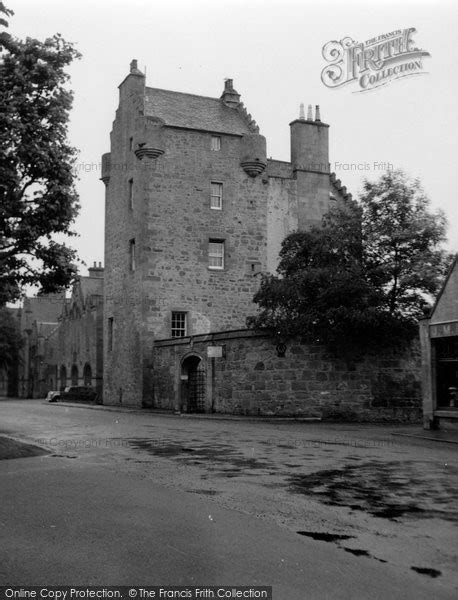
(216, 254)
(178, 324)
(216, 143)
(132, 256)
(216, 196)
(131, 194)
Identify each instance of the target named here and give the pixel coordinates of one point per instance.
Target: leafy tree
(37, 194)
(403, 243)
(5, 11)
(10, 339)
(364, 277)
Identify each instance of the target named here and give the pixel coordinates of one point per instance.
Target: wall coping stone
(230, 334)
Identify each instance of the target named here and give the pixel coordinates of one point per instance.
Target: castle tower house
(185, 225)
(195, 212)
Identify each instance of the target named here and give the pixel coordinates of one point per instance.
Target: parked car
(74, 393)
(53, 396)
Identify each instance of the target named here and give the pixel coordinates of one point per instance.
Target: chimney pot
(317, 113)
(133, 65)
(309, 113)
(301, 112)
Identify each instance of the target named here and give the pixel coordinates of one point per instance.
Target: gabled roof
(196, 112)
(84, 290)
(452, 274)
(44, 309)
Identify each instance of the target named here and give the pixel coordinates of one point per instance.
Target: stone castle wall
(123, 288)
(251, 379)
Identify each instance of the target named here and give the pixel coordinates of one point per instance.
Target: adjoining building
(63, 339)
(439, 345)
(38, 319)
(75, 354)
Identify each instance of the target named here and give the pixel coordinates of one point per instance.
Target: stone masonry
(75, 351)
(250, 378)
(169, 152)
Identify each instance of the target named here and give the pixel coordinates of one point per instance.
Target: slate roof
(194, 112)
(45, 309)
(453, 267)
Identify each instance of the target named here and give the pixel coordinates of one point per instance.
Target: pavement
(316, 510)
(415, 430)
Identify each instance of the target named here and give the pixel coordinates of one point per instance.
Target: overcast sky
(273, 51)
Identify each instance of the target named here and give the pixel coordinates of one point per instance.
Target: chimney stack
(309, 143)
(310, 163)
(229, 96)
(134, 70)
(96, 271)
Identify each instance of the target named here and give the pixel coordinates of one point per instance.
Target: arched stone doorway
(87, 375)
(63, 377)
(74, 375)
(193, 385)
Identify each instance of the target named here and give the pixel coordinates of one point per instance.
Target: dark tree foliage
(37, 195)
(363, 279)
(403, 241)
(10, 339)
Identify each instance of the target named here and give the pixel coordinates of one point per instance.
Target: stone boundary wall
(251, 379)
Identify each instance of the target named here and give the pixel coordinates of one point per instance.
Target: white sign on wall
(215, 351)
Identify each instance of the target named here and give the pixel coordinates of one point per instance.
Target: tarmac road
(140, 499)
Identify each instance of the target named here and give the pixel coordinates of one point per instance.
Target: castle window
(178, 324)
(216, 254)
(216, 197)
(132, 254)
(110, 334)
(131, 194)
(131, 143)
(216, 143)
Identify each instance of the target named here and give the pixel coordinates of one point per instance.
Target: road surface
(317, 511)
